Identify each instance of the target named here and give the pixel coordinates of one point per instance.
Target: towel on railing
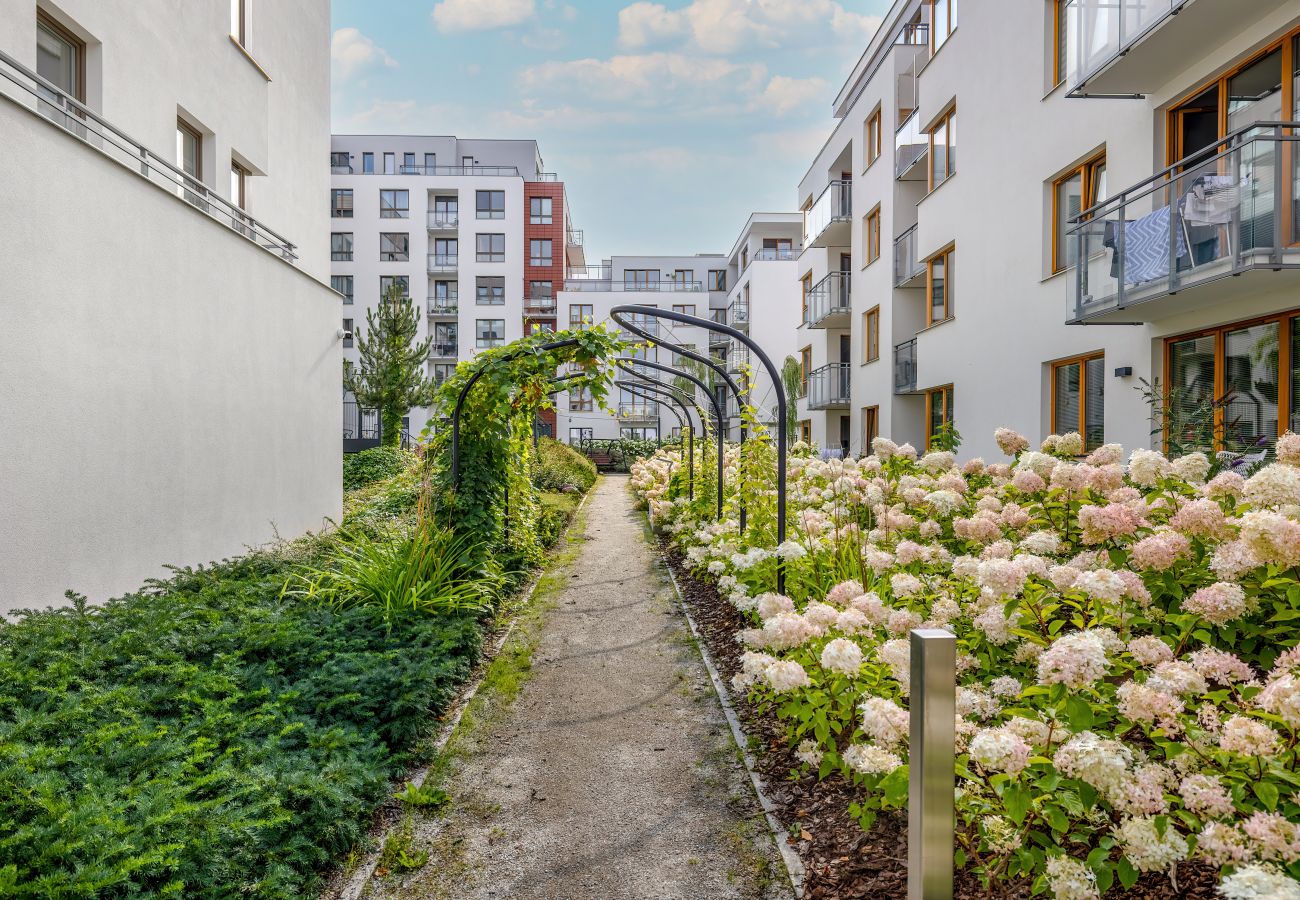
(1146, 247)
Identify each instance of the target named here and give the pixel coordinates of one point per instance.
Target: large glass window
(580, 315)
(489, 333)
(943, 20)
(394, 204)
(539, 252)
(399, 283)
(394, 246)
(1250, 383)
(1080, 189)
(717, 279)
(490, 247)
(943, 149)
(938, 411)
(640, 277)
(490, 204)
(367, 163)
(60, 60)
(1078, 399)
(580, 400)
(341, 246)
(539, 211)
(939, 287)
(341, 203)
(343, 284)
(871, 335)
(490, 290)
(445, 251)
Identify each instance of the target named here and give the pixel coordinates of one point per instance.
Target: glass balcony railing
(738, 358)
(443, 306)
(638, 410)
(442, 262)
(609, 284)
(770, 254)
(828, 386)
(738, 313)
(539, 304)
(1204, 218)
(1097, 32)
(834, 205)
(828, 302)
(443, 221)
(907, 266)
(911, 145)
(442, 350)
(905, 367)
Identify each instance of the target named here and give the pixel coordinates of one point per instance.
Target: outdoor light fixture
(1123, 371)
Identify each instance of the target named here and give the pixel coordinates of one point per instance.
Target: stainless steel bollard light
(931, 782)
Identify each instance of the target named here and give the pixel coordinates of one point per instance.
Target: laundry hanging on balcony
(1146, 247)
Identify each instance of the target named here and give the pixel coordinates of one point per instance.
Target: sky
(669, 122)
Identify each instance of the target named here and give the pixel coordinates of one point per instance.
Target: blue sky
(668, 121)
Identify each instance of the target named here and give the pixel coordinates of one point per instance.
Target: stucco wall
(171, 391)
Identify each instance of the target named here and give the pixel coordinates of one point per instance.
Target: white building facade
(941, 286)
(474, 232)
(173, 353)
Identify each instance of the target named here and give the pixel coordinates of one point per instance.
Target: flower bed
(1129, 691)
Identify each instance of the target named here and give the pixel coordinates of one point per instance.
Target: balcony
(489, 171)
(738, 313)
(443, 221)
(443, 306)
(643, 413)
(441, 263)
(827, 304)
(738, 358)
(911, 147)
(1127, 48)
(539, 305)
(609, 284)
(908, 269)
(340, 169)
(905, 367)
(573, 237)
(828, 386)
(1206, 231)
(774, 254)
(442, 350)
(829, 221)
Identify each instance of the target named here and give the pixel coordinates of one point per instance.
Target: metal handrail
(609, 284)
(444, 260)
(142, 160)
(505, 171)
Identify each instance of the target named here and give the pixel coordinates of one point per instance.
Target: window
(239, 21)
(580, 400)
(1062, 63)
(1072, 193)
(541, 292)
(445, 336)
(805, 431)
(445, 251)
(60, 60)
(443, 371)
(871, 335)
(539, 210)
(805, 288)
(938, 411)
(541, 327)
(394, 204)
(717, 279)
(340, 160)
(189, 150)
(640, 278)
(490, 247)
(943, 148)
(873, 137)
(394, 246)
(938, 287)
(408, 164)
(539, 252)
(400, 283)
(580, 315)
(430, 163)
(943, 21)
(489, 333)
(341, 203)
(368, 163)
(347, 333)
(445, 294)
(684, 308)
(683, 277)
(1078, 398)
(341, 246)
(238, 185)
(343, 284)
(467, 162)
(870, 426)
(490, 204)
(871, 229)
(490, 290)
(390, 164)
(805, 368)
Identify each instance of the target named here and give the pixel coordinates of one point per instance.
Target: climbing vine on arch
(496, 430)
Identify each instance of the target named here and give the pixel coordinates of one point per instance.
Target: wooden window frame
(944, 120)
(934, 27)
(240, 30)
(1081, 361)
(805, 430)
(78, 52)
(946, 255)
(871, 229)
(871, 335)
(583, 402)
(805, 285)
(945, 391)
(872, 137)
(1058, 29)
(805, 366)
(1284, 399)
(190, 130)
(1087, 172)
(870, 426)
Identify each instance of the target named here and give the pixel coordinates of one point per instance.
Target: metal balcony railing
(905, 367)
(1209, 216)
(29, 89)
(834, 205)
(490, 171)
(769, 254)
(442, 262)
(546, 176)
(443, 306)
(911, 145)
(608, 284)
(540, 304)
(340, 170)
(828, 301)
(738, 358)
(738, 313)
(907, 266)
(638, 411)
(573, 237)
(443, 221)
(828, 386)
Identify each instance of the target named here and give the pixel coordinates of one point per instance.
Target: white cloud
(653, 81)
(480, 15)
(784, 94)
(398, 117)
(668, 159)
(730, 26)
(352, 52)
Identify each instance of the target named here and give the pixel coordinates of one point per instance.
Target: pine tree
(391, 375)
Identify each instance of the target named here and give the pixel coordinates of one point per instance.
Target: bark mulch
(842, 861)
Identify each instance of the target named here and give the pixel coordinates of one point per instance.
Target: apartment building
(172, 351)
(694, 285)
(475, 232)
(1155, 123)
(762, 302)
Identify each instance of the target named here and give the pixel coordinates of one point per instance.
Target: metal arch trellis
(622, 315)
(684, 420)
(626, 363)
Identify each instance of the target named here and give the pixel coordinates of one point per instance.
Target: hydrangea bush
(1128, 677)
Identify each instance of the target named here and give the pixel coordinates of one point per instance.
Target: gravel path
(612, 774)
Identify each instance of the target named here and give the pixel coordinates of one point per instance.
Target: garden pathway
(613, 773)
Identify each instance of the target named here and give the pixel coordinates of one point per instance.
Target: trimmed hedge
(374, 464)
